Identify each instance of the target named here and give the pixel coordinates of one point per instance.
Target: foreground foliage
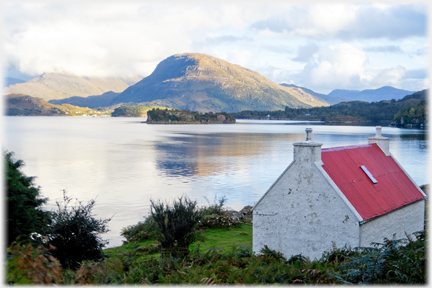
(74, 234)
(23, 201)
(176, 223)
(142, 231)
(214, 215)
(392, 262)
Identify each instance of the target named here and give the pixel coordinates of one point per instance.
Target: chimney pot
(378, 131)
(383, 142)
(308, 134)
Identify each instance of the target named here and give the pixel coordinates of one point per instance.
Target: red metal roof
(393, 190)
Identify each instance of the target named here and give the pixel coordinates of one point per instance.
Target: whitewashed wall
(408, 219)
(302, 213)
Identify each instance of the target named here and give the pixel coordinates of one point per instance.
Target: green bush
(217, 207)
(141, 231)
(176, 224)
(75, 233)
(216, 216)
(23, 202)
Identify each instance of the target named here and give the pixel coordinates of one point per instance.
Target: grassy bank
(221, 239)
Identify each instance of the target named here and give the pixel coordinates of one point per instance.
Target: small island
(175, 116)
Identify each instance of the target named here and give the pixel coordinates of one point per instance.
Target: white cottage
(350, 195)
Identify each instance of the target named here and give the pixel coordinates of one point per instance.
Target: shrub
(74, 233)
(216, 216)
(23, 201)
(219, 221)
(176, 224)
(141, 231)
(27, 265)
(215, 208)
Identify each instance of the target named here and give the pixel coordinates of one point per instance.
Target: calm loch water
(123, 163)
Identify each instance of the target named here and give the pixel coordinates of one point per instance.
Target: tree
(23, 201)
(74, 233)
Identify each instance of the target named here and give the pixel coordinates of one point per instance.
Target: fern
(394, 261)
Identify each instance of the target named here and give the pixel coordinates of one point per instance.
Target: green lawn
(221, 239)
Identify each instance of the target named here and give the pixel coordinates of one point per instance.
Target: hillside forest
(409, 112)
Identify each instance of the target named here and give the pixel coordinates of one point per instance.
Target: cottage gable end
(301, 212)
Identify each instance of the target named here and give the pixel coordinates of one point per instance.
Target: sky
(317, 45)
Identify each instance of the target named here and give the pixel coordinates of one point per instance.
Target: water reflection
(216, 153)
(414, 137)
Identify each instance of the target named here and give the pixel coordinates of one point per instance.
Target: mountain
(371, 95)
(204, 83)
(330, 100)
(59, 86)
(25, 105)
(96, 101)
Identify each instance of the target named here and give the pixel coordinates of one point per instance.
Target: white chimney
(383, 142)
(307, 151)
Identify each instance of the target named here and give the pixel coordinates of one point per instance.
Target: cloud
(416, 73)
(224, 39)
(421, 51)
(112, 40)
(349, 21)
(242, 58)
(391, 22)
(283, 49)
(306, 52)
(343, 66)
(386, 77)
(384, 49)
(331, 19)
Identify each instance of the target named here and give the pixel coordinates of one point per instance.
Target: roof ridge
(347, 147)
